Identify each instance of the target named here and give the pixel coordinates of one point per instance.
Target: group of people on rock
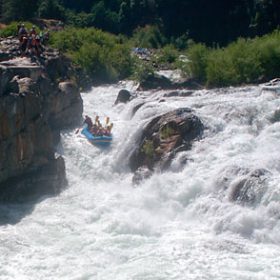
(31, 42)
(96, 128)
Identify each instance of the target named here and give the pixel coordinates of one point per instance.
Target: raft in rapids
(97, 140)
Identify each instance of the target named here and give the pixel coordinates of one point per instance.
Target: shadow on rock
(19, 195)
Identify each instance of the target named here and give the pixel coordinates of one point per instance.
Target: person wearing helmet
(32, 31)
(22, 32)
(23, 38)
(108, 127)
(97, 122)
(88, 121)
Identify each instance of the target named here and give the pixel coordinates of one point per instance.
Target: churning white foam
(178, 224)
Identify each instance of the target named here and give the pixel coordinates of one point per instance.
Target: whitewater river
(180, 224)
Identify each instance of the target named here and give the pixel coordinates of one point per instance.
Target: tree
(50, 9)
(18, 9)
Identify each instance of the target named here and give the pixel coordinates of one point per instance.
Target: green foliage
(79, 20)
(103, 56)
(12, 28)
(17, 9)
(196, 68)
(238, 63)
(9, 30)
(142, 70)
(168, 54)
(50, 9)
(161, 23)
(244, 61)
(148, 148)
(166, 132)
(220, 70)
(269, 51)
(121, 60)
(178, 20)
(181, 42)
(148, 37)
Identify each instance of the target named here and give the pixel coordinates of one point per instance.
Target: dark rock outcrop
(123, 96)
(137, 107)
(164, 137)
(37, 100)
(47, 179)
(178, 93)
(157, 81)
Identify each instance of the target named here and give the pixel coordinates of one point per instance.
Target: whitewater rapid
(179, 224)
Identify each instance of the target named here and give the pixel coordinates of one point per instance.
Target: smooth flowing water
(178, 224)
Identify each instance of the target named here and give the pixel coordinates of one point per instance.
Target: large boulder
(165, 136)
(123, 96)
(66, 106)
(156, 81)
(159, 81)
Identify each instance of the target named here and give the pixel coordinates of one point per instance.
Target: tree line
(215, 21)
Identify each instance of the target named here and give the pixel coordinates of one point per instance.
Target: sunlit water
(179, 224)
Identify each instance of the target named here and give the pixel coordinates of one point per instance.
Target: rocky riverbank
(38, 98)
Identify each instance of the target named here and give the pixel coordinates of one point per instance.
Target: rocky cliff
(38, 98)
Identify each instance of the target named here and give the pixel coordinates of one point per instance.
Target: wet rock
(13, 85)
(178, 93)
(25, 136)
(164, 137)
(123, 96)
(156, 81)
(141, 174)
(67, 106)
(250, 188)
(137, 107)
(48, 179)
(275, 116)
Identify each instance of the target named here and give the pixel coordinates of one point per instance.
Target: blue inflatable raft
(97, 140)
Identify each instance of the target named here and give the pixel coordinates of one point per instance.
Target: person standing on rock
(23, 38)
(22, 32)
(32, 31)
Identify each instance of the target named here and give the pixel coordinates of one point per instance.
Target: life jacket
(22, 32)
(32, 31)
(33, 42)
